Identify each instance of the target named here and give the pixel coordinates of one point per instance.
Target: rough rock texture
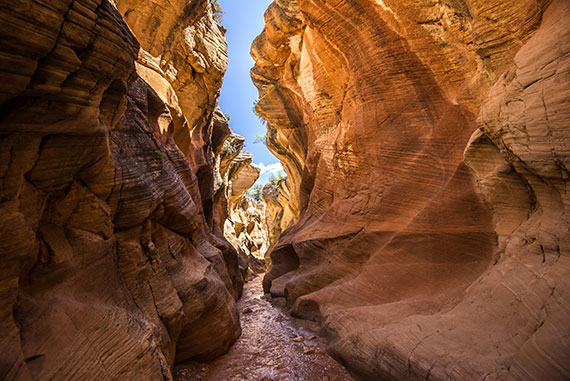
(110, 268)
(281, 215)
(244, 220)
(247, 230)
(226, 169)
(185, 51)
(183, 42)
(426, 147)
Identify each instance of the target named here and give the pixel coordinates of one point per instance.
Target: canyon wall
(425, 144)
(245, 225)
(113, 265)
(281, 212)
(247, 230)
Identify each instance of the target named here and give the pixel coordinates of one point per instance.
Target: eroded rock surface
(111, 268)
(281, 213)
(244, 219)
(425, 145)
(247, 230)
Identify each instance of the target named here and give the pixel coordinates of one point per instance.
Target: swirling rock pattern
(110, 265)
(425, 147)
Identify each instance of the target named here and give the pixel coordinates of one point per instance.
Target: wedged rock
(424, 144)
(110, 266)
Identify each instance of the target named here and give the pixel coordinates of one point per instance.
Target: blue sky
(244, 21)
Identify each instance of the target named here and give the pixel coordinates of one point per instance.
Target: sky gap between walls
(244, 21)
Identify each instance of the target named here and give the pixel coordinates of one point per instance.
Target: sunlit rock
(425, 148)
(110, 268)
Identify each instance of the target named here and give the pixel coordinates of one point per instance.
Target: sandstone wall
(183, 57)
(243, 220)
(425, 146)
(110, 266)
(281, 212)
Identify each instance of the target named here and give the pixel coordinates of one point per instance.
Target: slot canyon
(421, 230)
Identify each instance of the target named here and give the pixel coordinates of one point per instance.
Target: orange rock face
(281, 212)
(247, 230)
(110, 268)
(425, 146)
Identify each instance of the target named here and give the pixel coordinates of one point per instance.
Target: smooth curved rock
(425, 247)
(110, 267)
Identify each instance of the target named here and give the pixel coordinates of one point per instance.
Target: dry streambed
(273, 346)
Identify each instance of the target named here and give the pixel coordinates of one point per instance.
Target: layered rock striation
(247, 230)
(113, 266)
(281, 213)
(425, 148)
(242, 218)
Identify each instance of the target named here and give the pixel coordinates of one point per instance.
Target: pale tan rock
(243, 176)
(281, 212)
(246, 227)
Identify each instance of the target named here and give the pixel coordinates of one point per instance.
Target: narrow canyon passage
(396, 170)
(273, 346)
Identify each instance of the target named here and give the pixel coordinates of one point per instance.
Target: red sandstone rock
(110, 268)
(276, 196)
(425, 248)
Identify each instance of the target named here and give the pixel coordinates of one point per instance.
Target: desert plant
(260, 138)
(254, 110)
(275, 179)
(255, 192)
(218, 13)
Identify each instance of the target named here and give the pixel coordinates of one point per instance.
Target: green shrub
(256, 113)
(274, 179)
(218, 13)
(255, 192)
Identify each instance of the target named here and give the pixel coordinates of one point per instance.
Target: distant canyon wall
(114, 265)
(426, 148)
(245, 225)
(281, 211)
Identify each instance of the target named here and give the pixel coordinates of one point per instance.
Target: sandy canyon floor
(273, 346)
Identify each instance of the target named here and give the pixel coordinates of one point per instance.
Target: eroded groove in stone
(114, 265)
(425, 148)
